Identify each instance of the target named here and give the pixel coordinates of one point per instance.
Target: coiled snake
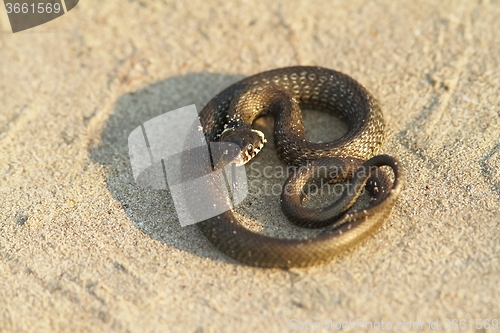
(282, 93)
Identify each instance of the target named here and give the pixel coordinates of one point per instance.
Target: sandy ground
(83, 248)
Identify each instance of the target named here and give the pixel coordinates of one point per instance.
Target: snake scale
(283, 92)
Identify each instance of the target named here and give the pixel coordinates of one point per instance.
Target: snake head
(249, 141)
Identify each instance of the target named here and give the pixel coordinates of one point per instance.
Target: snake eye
(250, 148)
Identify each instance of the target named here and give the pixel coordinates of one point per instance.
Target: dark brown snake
(282, 93)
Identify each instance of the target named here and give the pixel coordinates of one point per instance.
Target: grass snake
(283, 92)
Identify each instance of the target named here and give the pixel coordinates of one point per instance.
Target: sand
(83, 248)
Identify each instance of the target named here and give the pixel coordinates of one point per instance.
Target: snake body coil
(282, 93)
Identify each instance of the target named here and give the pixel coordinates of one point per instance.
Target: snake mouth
(250, 142)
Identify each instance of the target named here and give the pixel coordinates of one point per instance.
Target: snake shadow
(152, 211)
